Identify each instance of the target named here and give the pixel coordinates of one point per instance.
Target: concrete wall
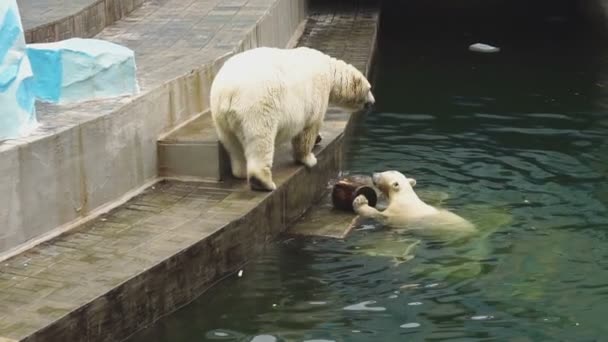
(595, 12)
(50, 182)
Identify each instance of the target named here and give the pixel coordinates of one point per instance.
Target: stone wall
(89, 157)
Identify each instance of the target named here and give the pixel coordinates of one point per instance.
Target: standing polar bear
(405, 209)
(267, 96)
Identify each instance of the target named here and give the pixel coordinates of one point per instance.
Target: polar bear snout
(369, 100)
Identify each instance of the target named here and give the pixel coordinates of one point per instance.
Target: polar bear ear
(412, 182)
(395, 186)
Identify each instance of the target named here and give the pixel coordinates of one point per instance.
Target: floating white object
(484, 48)
(17, 111)
(76, 70)
(363, 306)
(240, 273)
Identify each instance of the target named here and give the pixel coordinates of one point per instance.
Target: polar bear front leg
(303, 144)
(363, 209)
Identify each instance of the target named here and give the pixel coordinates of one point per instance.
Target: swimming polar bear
(405, 209)
(264, 97)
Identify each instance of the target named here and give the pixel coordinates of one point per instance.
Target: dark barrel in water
(348, 188)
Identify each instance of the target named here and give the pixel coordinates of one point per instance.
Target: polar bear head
(393, 183)
(350, 89)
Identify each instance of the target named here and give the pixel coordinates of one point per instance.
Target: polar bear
(405, 209)
(265, 96)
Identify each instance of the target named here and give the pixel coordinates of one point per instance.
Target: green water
(519, 142)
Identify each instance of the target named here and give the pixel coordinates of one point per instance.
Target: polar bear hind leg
(233, 146)
(259, 153)
(302, 145)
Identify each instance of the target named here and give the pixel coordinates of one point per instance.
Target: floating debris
(363, 307)
(223, 335)
(367, 227)
(483, 48)
(410, 325)
(317, 303)
(240, 273)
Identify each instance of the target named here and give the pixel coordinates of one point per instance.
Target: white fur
(405, 209)
(267, 96)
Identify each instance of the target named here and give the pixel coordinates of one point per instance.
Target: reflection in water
(517, 140)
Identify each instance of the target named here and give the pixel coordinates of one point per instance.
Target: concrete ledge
(156, 253)
(88, 155)
(53, 20)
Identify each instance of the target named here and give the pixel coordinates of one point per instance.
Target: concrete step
(192, 152)
(53, 20)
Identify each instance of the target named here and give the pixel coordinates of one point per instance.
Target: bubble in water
(414, 303)
(481, 317)
(410, 325)
(363, 307)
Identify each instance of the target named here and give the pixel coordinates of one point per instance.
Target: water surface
(519, 142)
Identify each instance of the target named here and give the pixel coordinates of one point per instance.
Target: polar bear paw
(262, 180)
(309, 161)
(259, 185)
(239, 171)
(359, 201)
(318, 139)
